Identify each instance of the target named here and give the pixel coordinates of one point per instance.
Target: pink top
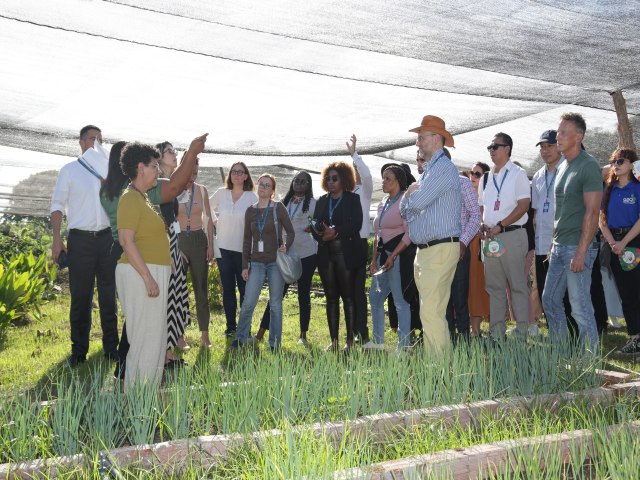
(392, 223)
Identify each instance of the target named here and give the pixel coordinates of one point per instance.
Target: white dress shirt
(77, 195)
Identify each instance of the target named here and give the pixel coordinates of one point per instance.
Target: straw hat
(435, 124)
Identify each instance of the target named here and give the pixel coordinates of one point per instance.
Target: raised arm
(181, 176)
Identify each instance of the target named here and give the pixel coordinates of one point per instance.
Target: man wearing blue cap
(544, 204)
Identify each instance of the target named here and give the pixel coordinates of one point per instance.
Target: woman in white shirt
(228, 206)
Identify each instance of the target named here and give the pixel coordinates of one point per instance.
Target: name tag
(545, 207)
(496, 206)
(260, 246)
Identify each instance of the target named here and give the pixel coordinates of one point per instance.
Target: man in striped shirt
(432, 209)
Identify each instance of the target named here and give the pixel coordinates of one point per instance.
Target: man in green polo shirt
(578, 192)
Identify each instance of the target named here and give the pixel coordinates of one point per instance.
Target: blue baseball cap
(548, 136)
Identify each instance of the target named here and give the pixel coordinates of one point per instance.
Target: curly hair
(116, 179)
(135, 153)
(248, 182)
(612, 178)
(308, 195)
(345, 172)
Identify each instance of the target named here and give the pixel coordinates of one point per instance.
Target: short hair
(577, 119)
(273, 181)
(85, 130)
(345, 172)
(506, 139)
(485, 168)
(612, 178)
(135, 153)
(248, 182)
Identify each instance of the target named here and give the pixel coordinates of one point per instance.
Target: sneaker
(632, 346)
(229, 332)
(332, 348)
(615, 322)
(370, 345)
(533, 330)
(303, 341)
(235, 344)
(74, 360)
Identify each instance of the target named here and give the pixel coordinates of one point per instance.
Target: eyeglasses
(172, 151)
(496, 146)
(618, 161)
(237, 173)
(332, 178)
(154, 165)
(475, 174)
(300, 181)
(266, 186)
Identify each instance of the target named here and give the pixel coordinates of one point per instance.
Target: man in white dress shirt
(89, 242)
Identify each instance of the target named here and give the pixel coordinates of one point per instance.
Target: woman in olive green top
(142, 275)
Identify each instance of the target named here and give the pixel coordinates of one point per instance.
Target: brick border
(209, 450)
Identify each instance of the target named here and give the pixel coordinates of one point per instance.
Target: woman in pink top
(392, 238)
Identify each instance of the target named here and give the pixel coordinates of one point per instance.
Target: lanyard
(553, 179)
(187, 208)
(501, 183)
(332, 208)
(388, 204)
(291, 215)
(90, 169)
(262, 221)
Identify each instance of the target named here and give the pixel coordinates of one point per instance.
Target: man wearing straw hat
(432, 209)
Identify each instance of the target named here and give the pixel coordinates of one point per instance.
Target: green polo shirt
(575, 177)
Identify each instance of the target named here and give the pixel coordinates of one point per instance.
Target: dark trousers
(90, 259)
(360, 298)
(597, 295)
(414, 305)
(458, 306)
(628, 284)
(230, 265)
(304, 295)
(338, 282)
(194, 248)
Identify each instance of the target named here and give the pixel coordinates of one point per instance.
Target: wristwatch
(499, 224)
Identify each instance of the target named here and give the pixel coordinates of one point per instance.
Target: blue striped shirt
(433, 210)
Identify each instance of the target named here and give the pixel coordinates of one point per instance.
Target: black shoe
(230, 332)
(632, 347)
(74, 360)
(175, 363)
(112, 356)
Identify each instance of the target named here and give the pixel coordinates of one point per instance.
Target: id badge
(260, 246)
(496, 206)
(545, 207)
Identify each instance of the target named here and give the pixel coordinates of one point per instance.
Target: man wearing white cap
(432, 209)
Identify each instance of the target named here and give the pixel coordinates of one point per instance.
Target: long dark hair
(116, 180)
(308, 195)
(612, 178)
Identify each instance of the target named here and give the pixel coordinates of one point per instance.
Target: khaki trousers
(146, 322)
(434, 268)
(508, 268)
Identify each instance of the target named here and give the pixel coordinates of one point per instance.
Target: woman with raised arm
(264, 224)
(336, 224)
(620, 226)
(228, 206)
(300, 205)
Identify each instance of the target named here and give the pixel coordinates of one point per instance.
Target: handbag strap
(275, 224)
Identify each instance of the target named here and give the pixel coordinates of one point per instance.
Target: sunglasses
(172, 151)
(496, 146)
(475, 174)
(332, 178)
(300, 181)
(618, 161)
(238, 172)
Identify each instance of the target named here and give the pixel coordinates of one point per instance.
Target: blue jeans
(560, 278)
(230, 265)
(257, 273)
(381, 285)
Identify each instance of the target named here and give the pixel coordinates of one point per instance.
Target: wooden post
(222, 174)
(625, 135)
